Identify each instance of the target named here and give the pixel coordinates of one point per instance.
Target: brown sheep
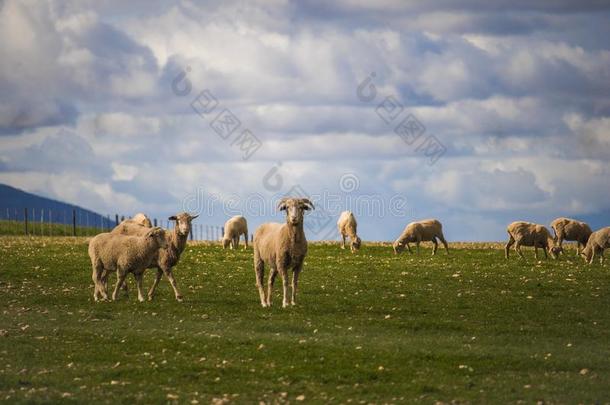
(427, 230)
(169, 256)
(281, 247)
(528, 234)
(572, 230)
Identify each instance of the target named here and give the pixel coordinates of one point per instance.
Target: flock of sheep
(134, 246)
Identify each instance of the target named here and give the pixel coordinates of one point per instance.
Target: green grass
(45, 229)
(369, 327)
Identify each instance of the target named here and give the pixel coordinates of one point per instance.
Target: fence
(79, 222)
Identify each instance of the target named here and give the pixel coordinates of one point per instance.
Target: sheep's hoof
(285, 305)
(150, 297)
(141, 299)
(264, 305)
(179, 298)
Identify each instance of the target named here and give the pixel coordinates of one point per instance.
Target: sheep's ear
(173, 218)
(307, 204)
(282, 206)
(194, 216)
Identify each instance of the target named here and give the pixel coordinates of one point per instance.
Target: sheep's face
(158, 235)
(586, 254)
(295, 207)
(556, 251)
(398, 247)
(225, 242)
(356, 244)
(183, 222)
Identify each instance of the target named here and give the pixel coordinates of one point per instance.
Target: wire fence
(79, 222)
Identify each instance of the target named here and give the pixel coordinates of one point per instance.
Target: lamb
(234, 228)
(124, 254)
(598, 241)
(528, 234)
(572, 230)
(427, 230)
(169, 256)
(281, 247)
(347, 226)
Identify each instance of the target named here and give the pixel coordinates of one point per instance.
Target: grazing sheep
(124, 254)
(427, 230)
(572, 230)
(234, 228)
(347, 227)
(169, 256)
(528, 234)
(598, 241)
(281, 247)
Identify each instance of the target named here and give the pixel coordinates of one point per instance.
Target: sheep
(427, 230)
(598, 241)
(528, 234)
(169, 256)
(572, 230)
(233, 229)
(124, 254)
(281, 247)
(141, 219)
(347, 226)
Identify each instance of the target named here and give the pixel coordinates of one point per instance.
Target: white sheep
(168, 256)
(427, 230)
(124, 254)
(234, 228)
(529, 234)
(597, 243)
(348, 226)
(281, 247)
(141, 219)
(571, 230)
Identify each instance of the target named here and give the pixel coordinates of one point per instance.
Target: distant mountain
(14, 202)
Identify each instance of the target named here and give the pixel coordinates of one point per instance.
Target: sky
(476, 113)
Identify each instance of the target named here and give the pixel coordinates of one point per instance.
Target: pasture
(369, 327)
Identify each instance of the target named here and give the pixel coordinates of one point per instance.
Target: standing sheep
(427, 230)
(572, 230)
(598, 241)
(234, 228)
(168, 256)
(281, 247)
(141, 219)
(347, 226)
(528, 234)
(124, 254)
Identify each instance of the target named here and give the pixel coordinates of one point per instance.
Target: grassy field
(15, 228)
(369, 328)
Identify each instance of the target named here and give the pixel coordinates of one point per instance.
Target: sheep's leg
(120, 279)
(417, 246)
(409, 248)
(284, 273)
(246, 240)
(545, 250)
(259, 269)
(170, 277)
(151, 292)
(236, 242)
(601, 256)
(295, 281)
(510, 243)
(343, 241)
(139, 278)
(518, 250)
(97, 281)
(536, 251)
(434, 246)
(270, 281)
(444, 242)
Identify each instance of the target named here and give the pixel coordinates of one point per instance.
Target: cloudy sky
(474, 112)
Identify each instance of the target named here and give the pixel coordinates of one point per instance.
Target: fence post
(73, 222)
(155, 222)
(25, 219)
